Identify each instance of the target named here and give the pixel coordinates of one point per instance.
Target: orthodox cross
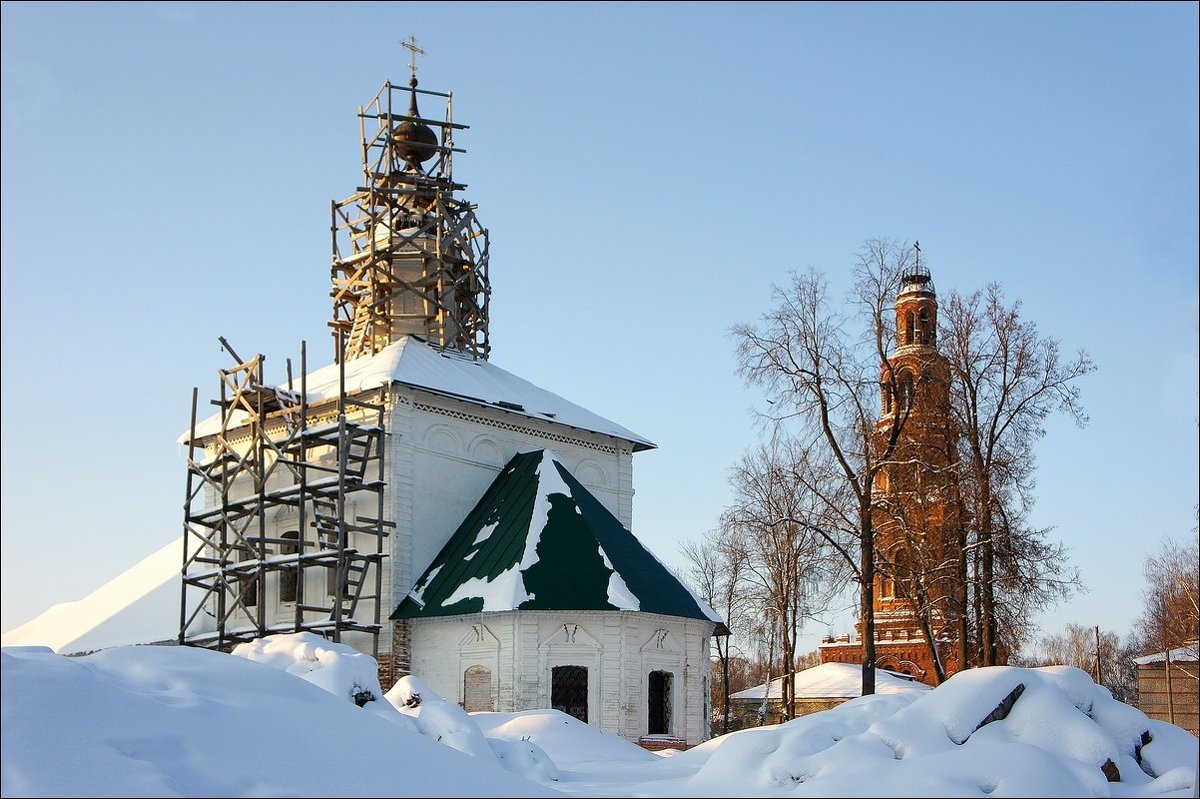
(411, 44)
(917, 247)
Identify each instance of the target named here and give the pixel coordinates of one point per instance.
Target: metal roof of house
(1184, 654)
(539, 540)
(411, 362)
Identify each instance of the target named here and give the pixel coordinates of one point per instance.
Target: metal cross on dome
(411, 44)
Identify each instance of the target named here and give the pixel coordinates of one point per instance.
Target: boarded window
(659, 698)
(477, 690)
(569, 691)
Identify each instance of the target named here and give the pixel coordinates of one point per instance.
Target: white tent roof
(834, 680)
(411, 362)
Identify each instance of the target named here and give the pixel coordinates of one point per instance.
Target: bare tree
(1171, 616)
(1007, 379)
(827, 383)
(1101, 653)
(717, 568)
(772, 532)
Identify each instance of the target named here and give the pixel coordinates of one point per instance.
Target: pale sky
(646, 171)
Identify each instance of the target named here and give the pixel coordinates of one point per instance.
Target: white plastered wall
(619, 649)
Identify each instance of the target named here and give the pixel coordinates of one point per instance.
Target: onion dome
(415, 142)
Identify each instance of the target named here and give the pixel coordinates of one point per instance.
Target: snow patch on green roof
(539, 540)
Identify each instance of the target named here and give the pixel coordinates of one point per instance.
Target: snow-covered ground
(294, 715)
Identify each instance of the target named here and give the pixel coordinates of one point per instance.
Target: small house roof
(411, 362)
(834, 680)
(1183, 654)
(539, 540)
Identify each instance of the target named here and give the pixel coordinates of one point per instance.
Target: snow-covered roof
(138, 606)
(539, 540)
(411, 362)
(832, 680)
(1183, 654)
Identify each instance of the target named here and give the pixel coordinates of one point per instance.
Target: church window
(908, 328)
(287, 578)
(905, 390)
(248, 585)
(659, 703)
(926, 329)
(477, 690)
(331, 580)
(569, 691)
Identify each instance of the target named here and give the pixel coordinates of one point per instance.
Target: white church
(418, 502)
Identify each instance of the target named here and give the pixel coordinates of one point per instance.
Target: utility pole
(1099, 671)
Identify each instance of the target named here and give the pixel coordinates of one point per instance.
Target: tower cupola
(916, 306)
(415, 142)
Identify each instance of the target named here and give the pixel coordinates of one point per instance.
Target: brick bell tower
(917, 519)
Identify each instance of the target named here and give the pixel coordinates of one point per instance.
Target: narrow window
(908, 328)
(248, 584)
(477, 690)
(288, 577)
(659, 703)
(569, 691)
(906, 390)
(926, 338)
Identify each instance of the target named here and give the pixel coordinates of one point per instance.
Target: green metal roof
(539, 540)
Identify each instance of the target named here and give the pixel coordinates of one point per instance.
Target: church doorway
(569, 691)
(659, 703)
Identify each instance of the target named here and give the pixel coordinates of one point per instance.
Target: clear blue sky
(646, 172)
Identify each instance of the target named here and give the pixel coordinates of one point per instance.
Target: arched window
(659, 703)
(908, 328)
(905, 390)
(288, 577)
(926, 335)
(249, 586)
(886, 397)
(569, 691)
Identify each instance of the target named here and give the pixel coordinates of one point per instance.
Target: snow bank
(177, 721)
(281, 720)
(998, 731)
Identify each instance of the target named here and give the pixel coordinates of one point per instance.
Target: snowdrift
(294, 715)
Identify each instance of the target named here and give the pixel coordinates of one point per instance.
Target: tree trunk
(962, 598)
(866, 597)
(724, 685)
(986, 578)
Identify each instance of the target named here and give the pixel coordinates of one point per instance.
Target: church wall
(618, 648)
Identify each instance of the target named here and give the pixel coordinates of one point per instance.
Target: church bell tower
(409, 256)
(917, 518)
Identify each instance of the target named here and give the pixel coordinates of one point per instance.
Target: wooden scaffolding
(409, 257)
(269, 543)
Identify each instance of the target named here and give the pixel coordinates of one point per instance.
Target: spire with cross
(411, 44)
